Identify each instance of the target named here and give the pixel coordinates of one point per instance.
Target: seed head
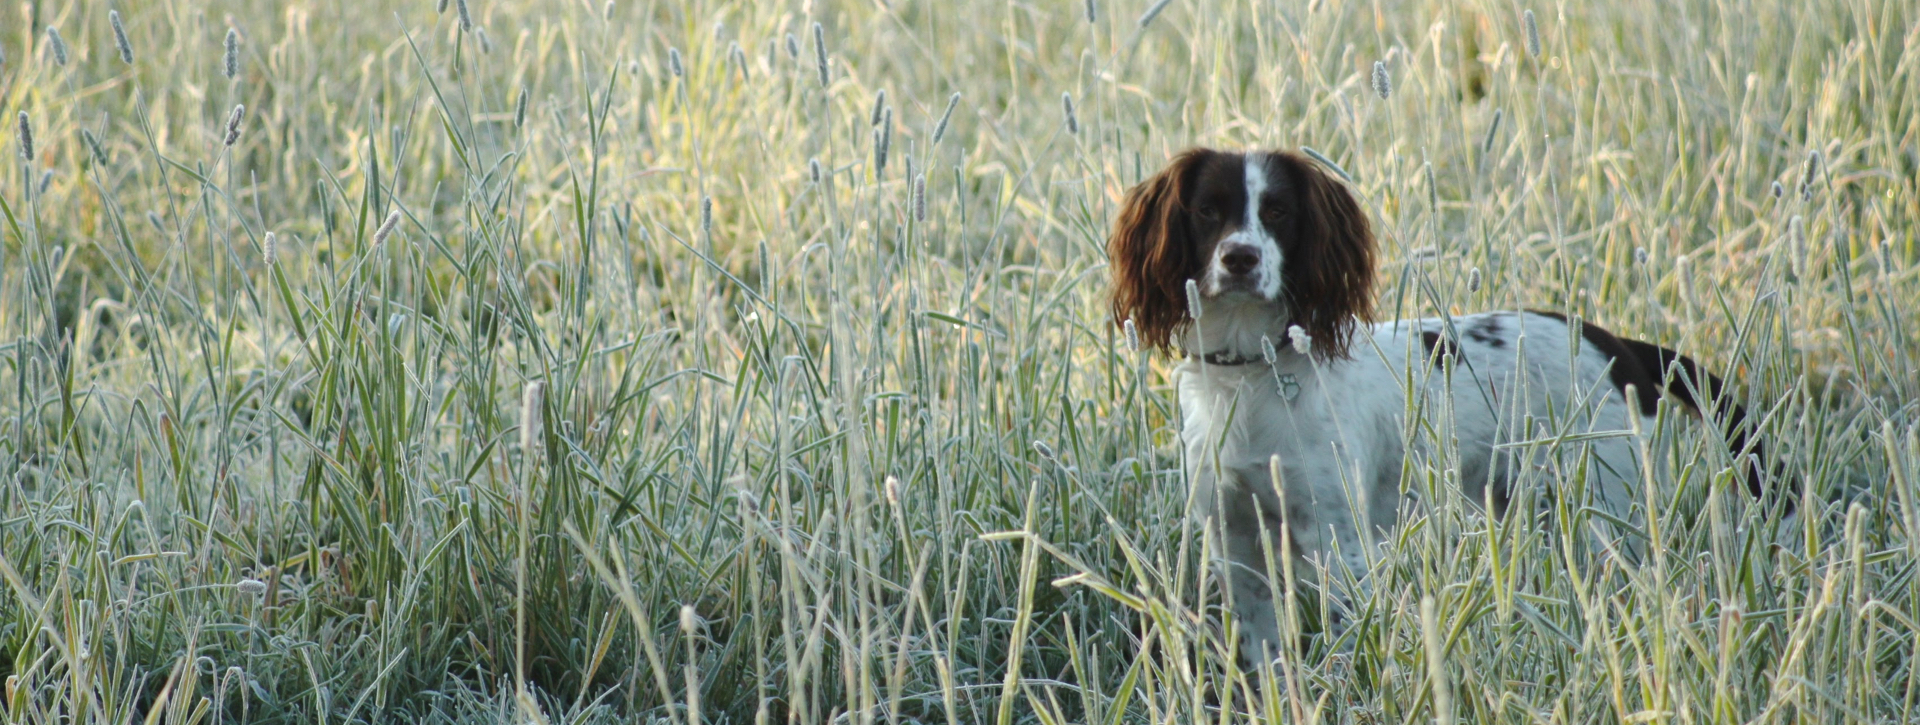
(486, 43)
(1680, 275)
(820, 52)
(1433, 189)
(1153, 12)
(1493, 132)
(1193, 299)
(1797, 243)
(1266, 349)
(1073, 122)
(440, 6)
(1777, 190)
(688, 619)
(153, 217)
(26, 137)
(893, 491)
(706, 216)
(1382, 83)
(1640, 256)
(466, 15)
(1045, 451)
(879, 105)
(1133, 335)
(230, 58)
(793, 47)
(1812, 176)
(1093, 13)
(813, 169)
(940, 129)
(739, 57)
(94, 151)
(530, 415)
(46, 180)
(920, 198)
(520, 109)
(607, 14)
(1473, 280)
(251, 587)
(270, 249)
(58, 45)
(120, 37)
(673, 62)
(233, 124)
(1322, 158)
(882, 143)
(386, 228)
(1533, 33)
(1302, 342)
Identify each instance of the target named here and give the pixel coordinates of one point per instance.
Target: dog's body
(1281, 367)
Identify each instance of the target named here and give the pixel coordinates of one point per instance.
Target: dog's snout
(1240, 258)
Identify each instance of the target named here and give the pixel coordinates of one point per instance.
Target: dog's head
(1267, 237)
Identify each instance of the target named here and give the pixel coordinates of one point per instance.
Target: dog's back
(1495, 396)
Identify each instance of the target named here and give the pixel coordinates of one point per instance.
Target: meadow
(714, 361)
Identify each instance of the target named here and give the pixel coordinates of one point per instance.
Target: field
(747, 362)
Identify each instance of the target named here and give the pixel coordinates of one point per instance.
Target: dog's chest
(1247, 414)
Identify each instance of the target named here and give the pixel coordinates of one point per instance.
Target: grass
(796, 451)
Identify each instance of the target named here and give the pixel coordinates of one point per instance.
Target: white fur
(1264, 282)
(1341, 439)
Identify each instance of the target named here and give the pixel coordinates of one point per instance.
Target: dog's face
(1262, 233)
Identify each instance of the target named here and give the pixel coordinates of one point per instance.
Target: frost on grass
(882, 322)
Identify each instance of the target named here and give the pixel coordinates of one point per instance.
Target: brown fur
(1328, 271)
(1329, 268)
(1153, 256)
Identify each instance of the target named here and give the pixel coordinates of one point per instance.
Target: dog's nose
(1240, 259)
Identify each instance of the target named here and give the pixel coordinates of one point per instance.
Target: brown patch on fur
(1329, 267)
(1152, 256)
(1651, 368)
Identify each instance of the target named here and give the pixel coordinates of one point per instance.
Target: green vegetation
(539, 361)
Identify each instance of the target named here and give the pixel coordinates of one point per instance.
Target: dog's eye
(1207, 212)
(1273, 215)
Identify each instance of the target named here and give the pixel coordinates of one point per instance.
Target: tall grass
(633, 363)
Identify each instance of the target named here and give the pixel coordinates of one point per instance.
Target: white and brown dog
(1281, 362)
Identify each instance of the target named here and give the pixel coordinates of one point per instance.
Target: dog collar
(1227, 358)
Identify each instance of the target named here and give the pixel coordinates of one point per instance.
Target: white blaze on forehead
(1270, 260)
(1265, 276)
(1256, 185)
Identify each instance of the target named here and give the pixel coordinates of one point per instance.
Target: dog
(1284, 370)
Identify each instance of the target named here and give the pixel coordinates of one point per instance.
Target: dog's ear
(1152, 256)
(1329, 271)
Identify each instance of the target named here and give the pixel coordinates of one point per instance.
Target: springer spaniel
(1281, 366)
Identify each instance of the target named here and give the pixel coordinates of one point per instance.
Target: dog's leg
(1249, 527)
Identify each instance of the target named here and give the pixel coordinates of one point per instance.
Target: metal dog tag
(1289, 386)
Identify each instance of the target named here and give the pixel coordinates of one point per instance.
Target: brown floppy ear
(1151, 256)
(1329, 270)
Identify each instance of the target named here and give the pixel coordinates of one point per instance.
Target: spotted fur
(1273, 243)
